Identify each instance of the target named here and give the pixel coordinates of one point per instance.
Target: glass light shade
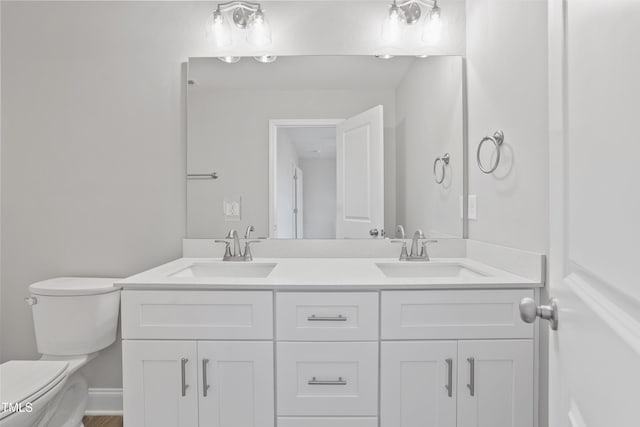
(265, 59)
(392, 25)
(259, 30)
(219, 30)
(433, 27)
(229, 59)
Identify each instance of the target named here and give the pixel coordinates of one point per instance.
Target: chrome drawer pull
(339, 381)
(449, 385)
(338, 318)
(183, 365)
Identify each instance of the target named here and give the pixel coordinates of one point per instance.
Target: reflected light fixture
(246, 16)
(409, 12)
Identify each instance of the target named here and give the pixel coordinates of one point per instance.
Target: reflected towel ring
(444, 161)
(497, 139)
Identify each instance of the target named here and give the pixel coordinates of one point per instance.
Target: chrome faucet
(237, 254)
(400, 231)
(418, 247)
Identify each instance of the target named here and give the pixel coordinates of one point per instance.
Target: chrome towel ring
(444, 161)
(497, 139)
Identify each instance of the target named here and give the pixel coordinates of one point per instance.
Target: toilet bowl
(74, 318)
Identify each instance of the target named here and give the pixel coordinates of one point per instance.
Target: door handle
(449, 385)
(529, 311)
(185, 386)
(205, 385)
(472, 376)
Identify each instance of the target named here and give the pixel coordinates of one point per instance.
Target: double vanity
(333, 342)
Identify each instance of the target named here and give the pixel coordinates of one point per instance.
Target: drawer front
(327, 379)
(328, 422)
(197, 315)
(317, 316)
(459, 314)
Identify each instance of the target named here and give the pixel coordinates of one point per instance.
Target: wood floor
(102, 421)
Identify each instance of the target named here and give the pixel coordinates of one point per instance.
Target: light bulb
(433, 26)
(218, 30)
(392, 24)
(259, 31)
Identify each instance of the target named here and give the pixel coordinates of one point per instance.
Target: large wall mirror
(324, 147)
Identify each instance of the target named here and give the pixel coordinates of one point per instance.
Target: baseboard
(104, 401)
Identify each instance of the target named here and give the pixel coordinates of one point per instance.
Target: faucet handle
(247, 233)
(227, 248)
(403, 252)
(423, 252)
(248, 256)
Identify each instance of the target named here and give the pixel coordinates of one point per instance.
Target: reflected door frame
(274, 126)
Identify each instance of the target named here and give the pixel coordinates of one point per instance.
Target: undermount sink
(226, 269)
(427, 269)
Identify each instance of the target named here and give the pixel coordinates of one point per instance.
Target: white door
(236, 384)
(160, 383)
(418, 384)
(594, 356)
(360, 174)
(495, 383)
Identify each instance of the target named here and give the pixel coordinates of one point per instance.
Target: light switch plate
(232, 207)
(473, 207)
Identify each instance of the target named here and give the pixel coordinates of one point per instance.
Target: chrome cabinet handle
(472, 376)
(529, 310)
(338, 318)
(183, 365)
(205, 385)
(449, 385)
(339, 381)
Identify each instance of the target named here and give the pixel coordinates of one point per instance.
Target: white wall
(507, 89)
(93, 149)
(430, 123)
(229, 134)
(319, 198)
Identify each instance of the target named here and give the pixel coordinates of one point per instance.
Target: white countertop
(325, 273)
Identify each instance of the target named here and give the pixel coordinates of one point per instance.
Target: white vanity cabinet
(462, 375)
(225, 379)
(369, 358)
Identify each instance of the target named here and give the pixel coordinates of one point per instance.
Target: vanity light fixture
(245, 15)
(409, 12)
(229, 59)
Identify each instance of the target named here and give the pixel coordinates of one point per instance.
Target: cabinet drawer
(317, 316)
(327, 379)
(459, 314)
(328, 422)
(197, 315)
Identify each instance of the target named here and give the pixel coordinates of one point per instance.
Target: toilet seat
(25, 381)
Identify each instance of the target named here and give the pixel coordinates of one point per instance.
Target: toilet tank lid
(74, 286)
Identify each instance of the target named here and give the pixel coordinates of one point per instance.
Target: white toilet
(74, 318)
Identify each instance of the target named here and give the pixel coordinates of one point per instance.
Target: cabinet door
(418, 384)
(238, 377)
(160, 383)
(495, 383)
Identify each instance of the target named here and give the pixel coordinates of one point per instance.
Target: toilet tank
(74, 315)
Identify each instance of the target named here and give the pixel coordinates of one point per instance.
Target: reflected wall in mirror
(325, 146)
